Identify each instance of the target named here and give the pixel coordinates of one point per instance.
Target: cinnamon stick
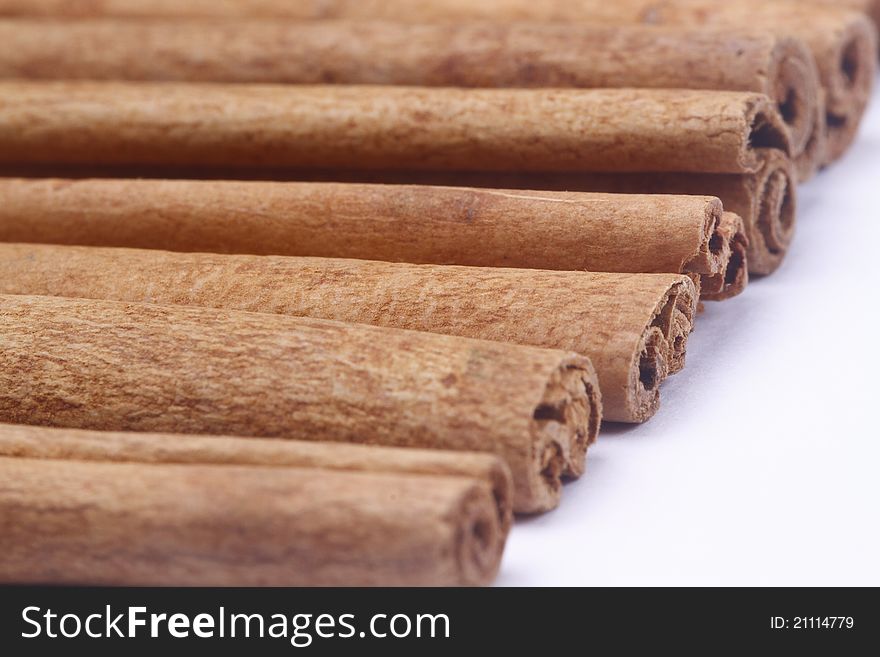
(80, 522)
(843, 42)
(735, 276)
(633, 327)
(125, 447)
(418, 224)
(114, 366)
(766, 200)
(402, 128)
(445, 55)
(547, 10)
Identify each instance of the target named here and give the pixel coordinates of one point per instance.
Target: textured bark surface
(133, 367)
(444, 55)
(633, 327)
(735, 277)
(869, 7)
(428, 225)
(765, 200)
(370, 127)
(80, 522)
(843, 42)
(547, 10)
(75, 444)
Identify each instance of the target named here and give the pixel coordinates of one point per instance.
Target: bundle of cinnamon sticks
(351, 293)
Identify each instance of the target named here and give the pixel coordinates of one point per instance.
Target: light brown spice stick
(548, 10)
(633, 327)
(80, 522)
(444, 55)
(732, 233)
(114, 366)
(74, 444)
(843, 42)
(418, 224)
(301, 9)
(766, 200)
(374, 127)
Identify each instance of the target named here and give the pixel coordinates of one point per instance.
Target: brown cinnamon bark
(445, 55)
(402, 128)
(133, 367)
(843, 42)
(72, 444)
(299, 9)
(418, 224)
(765, 200)
(548, 10)
(732, 234)
(634, 327)
(869, 7)
(81, 522)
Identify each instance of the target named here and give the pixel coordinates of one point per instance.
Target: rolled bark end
(675, 319)
(564, 424)
(661, 349)
(479, 541)
(843, 43)
(730, 234)
(718, 267)
(652, 370)
(774, 215)
(767, 130)
(848, 74)
(796, 90)
(709, 258)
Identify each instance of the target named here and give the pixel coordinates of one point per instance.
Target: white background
(762, 466)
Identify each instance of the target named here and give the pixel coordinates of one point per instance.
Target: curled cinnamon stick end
(731, 280)
(661, 353)
(795, 86)
(121, 447)
(86, 522)
(848, 64)
(162, 126)
(721, 262)
(69, 363)
(843, 42)
(772, 195)
(766, 201)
